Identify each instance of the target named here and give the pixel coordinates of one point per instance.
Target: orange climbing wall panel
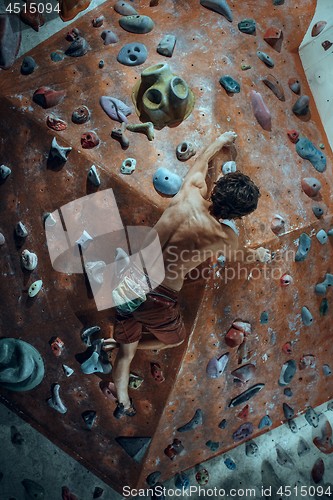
(207, 48)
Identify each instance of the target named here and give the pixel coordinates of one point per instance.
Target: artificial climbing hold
(265, 58)
(59, 152)
(304, 246)
(287, 373)
(318, 470)
(303, 448)
(230, 84)
(311, 417)
(274, 36)
(98, 361)
(294, 85)
(57, 346)
(109, 390)
(2, 240)
(89, 418)
(47, 97)
(101, 64)
(182, 481)
(10, 39)
(80, 115)
(166, 182)
(288, 411)
(327, 370)
(228, 167)
(278, 224)
(89, 140)
(120, 135)
(57, 55)
(286, 280)
(292, 425)
(153, 478)
(283, 458)
(193, 423)
(128, 166)
(307, 317)
(301, 106)
(216, 366)
(219, 6)
(93, 176)
(251, 448)
(185, 150)
(135, 447)
(308, 151)
(288, 392)
(4, 172)
(95, 271)
(234, 337)
(229, 463)
(266, 421)
(115, 109)
(132, 54)
(68, 371)
(29, 260)
(55, 123)
(326, 44)
(109, 37)
(323, 308)
(244, 413)
(174, 449)
(87, 334)
(244, 431)
(223, 424)
(55, 401)
(146, 128)
(33, 489)
(264, 317)
(157, 372)
(135, 381)
(201, 475)
(20, 230)
(167, 45)
(246, 395)
(31, 16)
(78, 48)
(247, 26)
(97, 22)
(272, 83)
(261, 111)
(124, 8)
(318, 210)
(322, 236)
(293, 135)
(34, 288)
(307, 361)
(28, 65)
(137, 24)
(318, 28)
(213, 445)
(244, 373)
(324, 442)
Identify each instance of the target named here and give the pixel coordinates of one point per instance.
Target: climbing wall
(282, 328)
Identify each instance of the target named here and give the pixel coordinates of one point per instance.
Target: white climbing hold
(55, 401)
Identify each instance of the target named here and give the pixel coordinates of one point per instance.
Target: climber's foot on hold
(121, 411)
(109, 344)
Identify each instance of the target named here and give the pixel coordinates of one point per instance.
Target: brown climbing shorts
(159, 315)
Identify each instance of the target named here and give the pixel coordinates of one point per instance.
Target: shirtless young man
(191, 226)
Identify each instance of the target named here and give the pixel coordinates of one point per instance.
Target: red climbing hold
(261, 111)
(293, 135)
(109, 390)
(157, 372)
(287, 348)
(325, 443)
(311, 186)
(57, 346)
(47, 97)
(318, 470)
(234, 337)
(318, 28)
(89, 140)
(274, 37)
(286, 280)
(278, 224)
(244, 413)
(30, 15)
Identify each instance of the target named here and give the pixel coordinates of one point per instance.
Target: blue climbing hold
(308, 151)
(307, 317)
(303, 247)
(166, 182)
(321, 288)
(229, 84)
(182, 481)
(265, 422)
(322, 236)
(264, 318)
(229, 463)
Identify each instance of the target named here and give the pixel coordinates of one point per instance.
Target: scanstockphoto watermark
(161, 491)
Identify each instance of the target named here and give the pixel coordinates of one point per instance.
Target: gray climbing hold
(132, 54)
(243, 431)
(247, 26)
(34, 491)
(2, 240)
(124, 8)
(28, 65)
(311, 417)
(98, 361)
(79, 47)
(20, 230)
(135, 447)
(59, 152)
(4, 172)
(216, 366)
(303, 247)
(307, 317)
(228, 167)
(128, 166)
(287, 373)
(318, 211)
(167, 45)
(87, 334)
(322, 236)
(288, 411)
(246, 395)
(185, 150)
(89, 418)
(57, 55)
(109, 37)
(311, 186)
(301, 106)
(93, 176)
(283, 458)
(229, 84)
(115, 108)
(55, 401)
(302, 448)
(153, 478)
(29, 260)
(288, 392)
(223, 424)
(265, 58)
(219, 6)
(251, 448)
(81, 115)
(327, 370)
(137, 24)
(266, 421)
(21, 365)
(308, 151)
(84, 240)
(68, 371)
(166, 182)
(193, 423)
(35, 288)
(264, 317)
(292, 425)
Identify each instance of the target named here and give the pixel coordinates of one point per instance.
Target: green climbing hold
(229, 84)
(244, 67)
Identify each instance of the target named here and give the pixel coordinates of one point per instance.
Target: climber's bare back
(189, 234)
